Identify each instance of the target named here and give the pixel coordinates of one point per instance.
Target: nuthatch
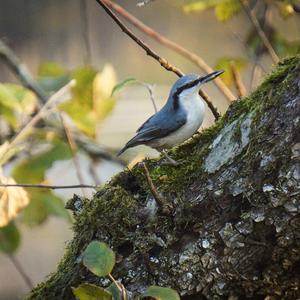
(178, 120)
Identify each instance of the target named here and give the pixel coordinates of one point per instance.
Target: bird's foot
(170, 161)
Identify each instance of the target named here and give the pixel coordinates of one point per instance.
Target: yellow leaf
(103, 85)
(12, 200)
(104, 82)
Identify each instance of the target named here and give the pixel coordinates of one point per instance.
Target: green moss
(117, 210)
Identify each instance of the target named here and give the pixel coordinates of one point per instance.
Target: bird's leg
(170, 160)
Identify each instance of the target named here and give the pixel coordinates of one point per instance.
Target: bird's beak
(211, 76)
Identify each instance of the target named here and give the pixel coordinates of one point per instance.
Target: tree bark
(233, 230)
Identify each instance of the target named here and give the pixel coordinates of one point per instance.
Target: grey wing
(155, 127)
(158, 126)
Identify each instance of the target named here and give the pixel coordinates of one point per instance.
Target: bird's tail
(131, 143)
(122, 150)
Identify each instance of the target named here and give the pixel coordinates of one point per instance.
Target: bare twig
(142, 44)
(196, 59)
(240, 87)
(260, 31)
(21, 71)
(92, 169)
(115, 282)
(21, 271)
(149, 87)
(51, 187)
(159, 200)
(73, 148)
(163, 62)
(87, 58)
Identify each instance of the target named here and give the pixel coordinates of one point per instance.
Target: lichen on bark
(234, 229)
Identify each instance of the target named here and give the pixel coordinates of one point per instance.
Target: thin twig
(150, 90)
(21, 271)
(93, 172)
(163, 62)
(73, 148)
(260, 31)
(196, 59)
(115, 282)
(159, 200)
(142, 44)
(87, 57)
(21, 71)
(51, 187)
(237, 80)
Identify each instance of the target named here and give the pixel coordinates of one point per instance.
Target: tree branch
(21, 71)
(163, 62)
(196, 59)
(237, 80)
(51, 187)
(260, 31)
(158, 199)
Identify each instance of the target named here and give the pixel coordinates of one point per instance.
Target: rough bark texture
(234, 230)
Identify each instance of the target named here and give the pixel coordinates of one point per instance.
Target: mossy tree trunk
(234, 227)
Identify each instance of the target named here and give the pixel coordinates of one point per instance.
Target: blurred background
(60, 40)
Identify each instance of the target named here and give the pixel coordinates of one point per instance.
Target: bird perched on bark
(179, 118)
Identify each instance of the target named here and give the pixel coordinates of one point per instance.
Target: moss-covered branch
(234, 229)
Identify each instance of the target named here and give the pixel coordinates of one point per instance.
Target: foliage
(15, 103)
(100, 260)
(9, 238)
(224, 9)
(91, 292)
(226, 64)
(90, 102)
(12, 200)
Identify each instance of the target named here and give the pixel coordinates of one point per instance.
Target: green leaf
(160, 293)
(9, 116)
(14, 101)
(33, 169)
(54, 204)
(52, 76)
(99, 258)
(42, 204)
(6, 152)
(200, 5)
(91, 292)
(114, 290)
(226, 63)
(35, 213)
(122, 84)
(227, 9)
(224, 9)
(83, 117)
(91, 100)
(9, 238)
(50, 69)
(82, 92)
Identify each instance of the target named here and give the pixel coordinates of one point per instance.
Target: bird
(178, 119)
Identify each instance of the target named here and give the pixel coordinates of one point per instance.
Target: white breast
(193, 104)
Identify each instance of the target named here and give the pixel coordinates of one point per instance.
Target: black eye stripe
(181, 89)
